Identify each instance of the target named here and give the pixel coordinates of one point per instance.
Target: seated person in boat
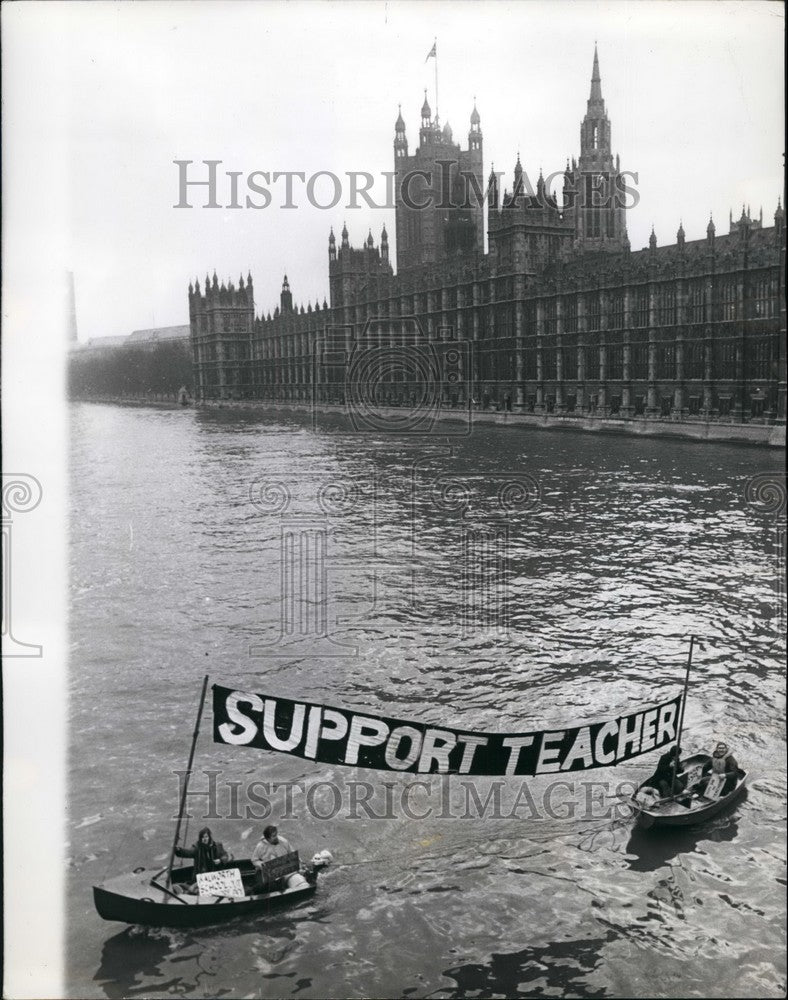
(207, 853)
(270, 846)
(662, 778)
(722, 763)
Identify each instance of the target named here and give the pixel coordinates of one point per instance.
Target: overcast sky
(105, 97)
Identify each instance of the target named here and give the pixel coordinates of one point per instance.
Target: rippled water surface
(509, 580)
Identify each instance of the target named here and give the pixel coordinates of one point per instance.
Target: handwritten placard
(223, 883)
(280, 867)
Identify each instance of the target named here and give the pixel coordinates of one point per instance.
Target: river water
(506, 580)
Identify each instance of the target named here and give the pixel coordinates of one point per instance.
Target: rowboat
(693, 805)
(699, 799)
(146, 896)
(180, 897)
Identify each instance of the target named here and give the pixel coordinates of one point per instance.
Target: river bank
(764, 435)
(462, 421)
(159, 401)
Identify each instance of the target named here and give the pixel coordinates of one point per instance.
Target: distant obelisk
(72, 310)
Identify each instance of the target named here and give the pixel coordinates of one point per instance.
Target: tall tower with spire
(593, 186)
(439, 192)
(286, 297)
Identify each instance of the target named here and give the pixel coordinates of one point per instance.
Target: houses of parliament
(558, 316)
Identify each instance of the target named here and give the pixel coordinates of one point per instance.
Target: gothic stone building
(559, 316)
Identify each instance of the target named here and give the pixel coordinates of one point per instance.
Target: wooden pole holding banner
(681, 718)
(182, 806)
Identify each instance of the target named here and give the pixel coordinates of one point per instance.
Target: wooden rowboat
(179, 897)
(144, 896)
(689, 807)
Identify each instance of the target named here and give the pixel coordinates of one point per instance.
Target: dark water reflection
(128, 961)
(562, 966)
(650, 850)
(610, 555)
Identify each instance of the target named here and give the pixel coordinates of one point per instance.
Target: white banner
(222, 883)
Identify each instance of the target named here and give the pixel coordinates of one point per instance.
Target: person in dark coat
(207, 853)
(662, 778)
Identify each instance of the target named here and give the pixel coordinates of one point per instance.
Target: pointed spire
(652, 240)
(241, 283)
(492, 189)
(596, 81)
(249, 279)
(680, 233)
(426, 110)
(711, 229)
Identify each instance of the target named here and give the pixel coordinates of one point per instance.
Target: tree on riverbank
(132, 370)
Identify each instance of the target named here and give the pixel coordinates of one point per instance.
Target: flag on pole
(433, 51)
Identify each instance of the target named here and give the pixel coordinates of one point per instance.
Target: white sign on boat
(223, 883)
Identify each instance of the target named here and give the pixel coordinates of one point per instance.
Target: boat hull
(142, 898)
(676, 814)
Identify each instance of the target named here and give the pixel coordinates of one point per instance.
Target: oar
(163, 888)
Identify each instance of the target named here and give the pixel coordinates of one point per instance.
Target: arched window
(550, 316)
(594, 311)
(641, 308)
(570, 314)
(727, 299)
(615, 362)
(617, 311)
(697, 301)
(667, 305)
(763, 303)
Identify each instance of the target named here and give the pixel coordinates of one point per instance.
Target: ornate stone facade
(559, 316)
